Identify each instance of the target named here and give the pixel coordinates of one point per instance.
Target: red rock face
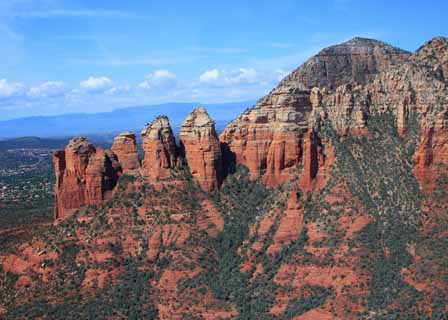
(202, 149)
(268, 136)
(160, 149)
(281, 132)
(84, 175)
(125, 148)
(283, 157)
(290, 224)
(431, 157)
(279, 138)
(317, 160)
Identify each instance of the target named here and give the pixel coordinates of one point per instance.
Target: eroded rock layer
(125, 148)
(202, 149)
(343, 85)
(268, 137)
(84, 175)
(159, 147)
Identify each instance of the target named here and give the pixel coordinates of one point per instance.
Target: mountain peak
(357, 44)
(368, 42)
(80, 145)
(199, 117)
(156, 126)
(355, 61)
(434, 54)
(435, 42)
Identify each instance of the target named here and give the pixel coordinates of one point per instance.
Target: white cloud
(11, 89)
(119, 89)
(241, 76)
(96, 84)
(209, 76)
(159, 79)
(48, 89)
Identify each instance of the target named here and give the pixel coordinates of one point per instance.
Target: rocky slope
(356, 61)
(326, 200)
(271, 135)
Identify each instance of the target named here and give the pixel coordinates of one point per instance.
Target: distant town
(26, 184)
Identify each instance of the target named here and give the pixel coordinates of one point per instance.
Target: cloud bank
(97, 93)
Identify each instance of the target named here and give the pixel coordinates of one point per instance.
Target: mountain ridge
(121, 119)
(320, 202)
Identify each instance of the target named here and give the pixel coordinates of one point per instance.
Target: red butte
(84, 175)
(159, 147)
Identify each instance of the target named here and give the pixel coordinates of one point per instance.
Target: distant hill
(109, 123)
(45, 143)
(32, 143)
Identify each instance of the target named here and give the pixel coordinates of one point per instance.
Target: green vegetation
(242, 202)
(130, 298)
(378, 171)
(313, 297)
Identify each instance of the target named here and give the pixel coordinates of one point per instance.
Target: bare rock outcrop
(435, 55)
(84, 175)
(125, 148)
(268, 136)
(356, 61)
(343, 85)
(159, 147)
(431, 157)
(202, 149)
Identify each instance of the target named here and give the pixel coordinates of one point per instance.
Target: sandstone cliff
(202, 150)
(125, 148)
(343, 85)
(270, 136)
(159, 147)
(84, 175)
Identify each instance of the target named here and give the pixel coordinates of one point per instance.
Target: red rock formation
(160, 151)
(125, 147)
(268, 136)
(282, 130)
(283, 157)
(290, 225)
(202, 149)
(317, 160)
(295, 252)
(310, 157)
(431, 157)
(84, 175)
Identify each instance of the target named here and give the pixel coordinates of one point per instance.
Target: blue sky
(65, 56)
